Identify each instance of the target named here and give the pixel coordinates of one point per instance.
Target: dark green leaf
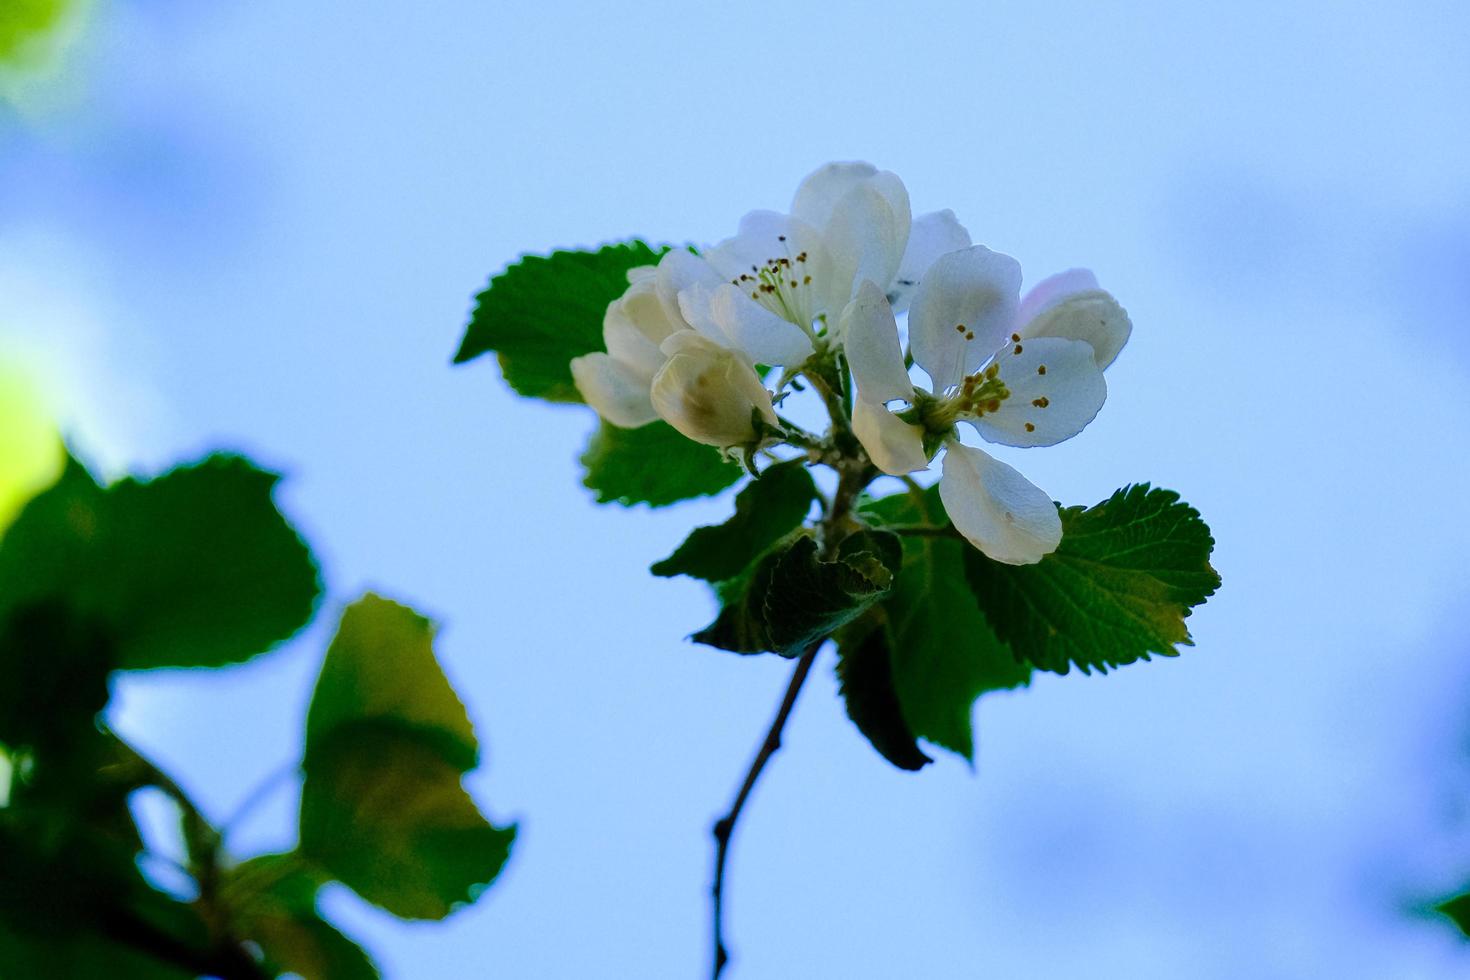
(72, 904)
(194, 569)
(55, 666)
(865, 671)
(545, 310)
(199, 568)
(766, 511)
(653, 465)
(794, 598)
(1117, 590)
(382, 808)
(1457, 910)
(943, 654)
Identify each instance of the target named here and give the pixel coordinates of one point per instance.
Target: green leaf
(1117, 589)
(653, 465)
(55, 666)
(196, 568)
(199, 568)
(273, 900)
(25, 25)
(793, 598)
(766, 511)
(942, 653)
(72, 904)
(865, 673)
(382, 808)
(381, 667)
(1457, 910)
(545, 310)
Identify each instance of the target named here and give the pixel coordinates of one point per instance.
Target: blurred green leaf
(24, 22)
(766, 511)
(1117, 590)
(381, 667)
(55, 666)
(72, 904)
(653, 465)
(793, 598)
(942, 653)
(199, 568)
(382, 808)
(545, 310)
(1457, 910)
(274, 902)
(196, 568)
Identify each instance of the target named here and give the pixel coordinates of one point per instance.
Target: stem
(258, 795)
(725, 826)
(854, 472)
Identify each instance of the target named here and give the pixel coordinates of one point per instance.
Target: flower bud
(616, 383)
(710, 393)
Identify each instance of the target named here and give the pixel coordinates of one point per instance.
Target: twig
(725, 826)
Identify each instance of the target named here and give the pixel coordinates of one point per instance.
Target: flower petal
(1052, 290)
(762, 335)
(617, 393)
(931, 236)
(962, 312)
(870, 338)
(636, 323)
(817, 196)
(678, 270)
(1056, 389)
(997, 509)
(1093, 316)
(866, 236)
(895, 446)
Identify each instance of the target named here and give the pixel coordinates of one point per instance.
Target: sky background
(260, 226)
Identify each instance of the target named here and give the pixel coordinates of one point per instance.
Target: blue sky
(260, 226)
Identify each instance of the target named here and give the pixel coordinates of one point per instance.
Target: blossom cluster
(825, 284)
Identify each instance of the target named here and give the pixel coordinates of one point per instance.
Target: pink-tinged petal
(931, 236)
(894, 446)
(870, 338)
(1093, 317)
(1052, 290)
(962, 312)
(619, 394)
(997, 509)
(1056, 389)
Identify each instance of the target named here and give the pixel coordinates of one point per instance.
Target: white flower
(709, 392)
(617, 383)
(1023, 374)
(766, 291)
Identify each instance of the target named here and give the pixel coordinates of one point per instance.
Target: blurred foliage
(31, 451)
(32, 31)
(198, 568)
